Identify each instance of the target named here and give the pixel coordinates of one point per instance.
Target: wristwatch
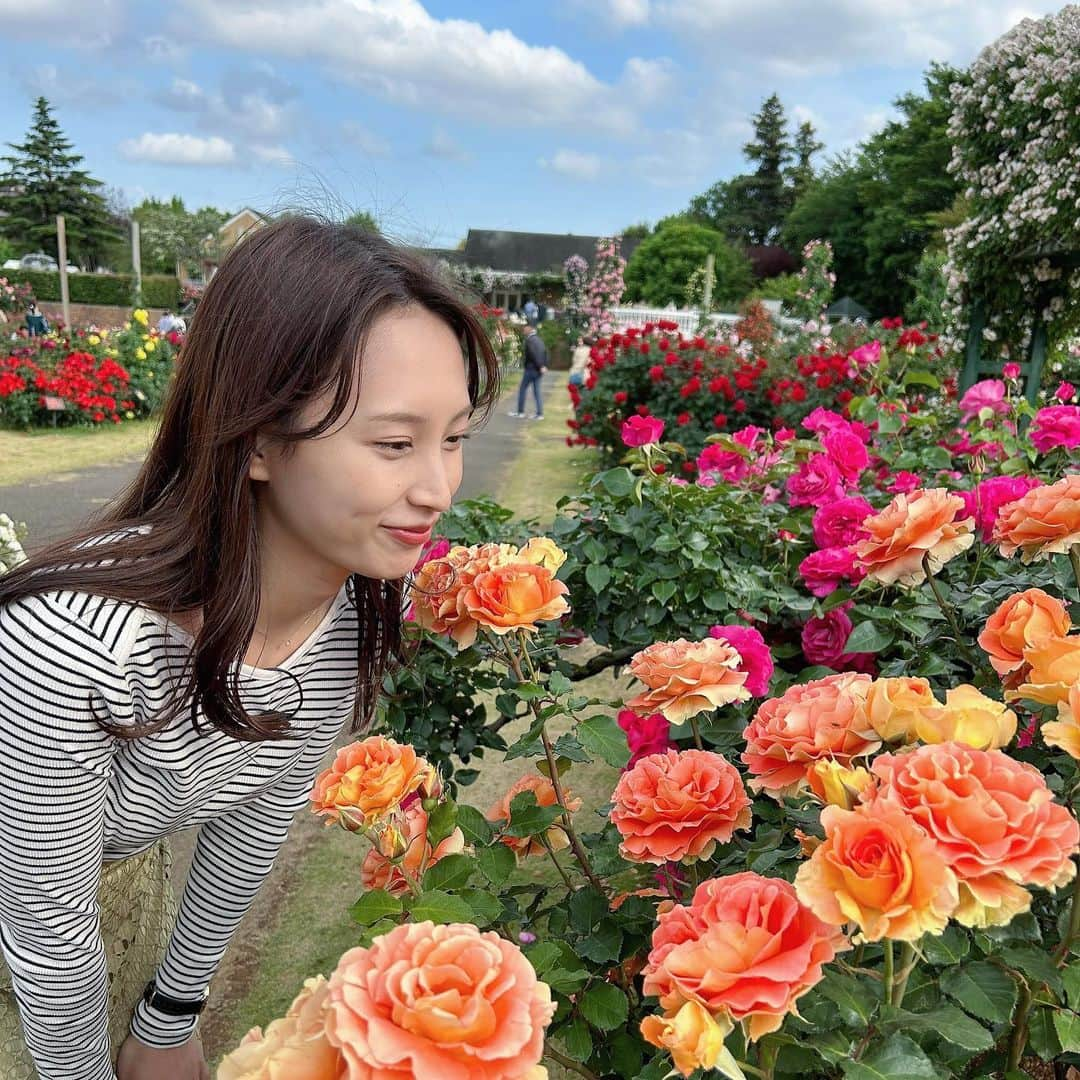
(171, 1006)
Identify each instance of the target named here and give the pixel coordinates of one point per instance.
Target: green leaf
(604, 1006)
(587, 907)
(921, 378)
(898, 1058)
(527, 817)
(375, 905)
(1042, 1035)
(983, 989)
(451, 872)
(577, 1039)
(947, 949)
(441, 822)
(439, 907)
(857, 1002)
(867, 637)
(664, 590)
(474, 825)
(603, 944)
(948, 1021)
(1067, 1026)
(617, 481)
(486, 909)
(1071, 978)
(558, 683)
(496, 863)
(1035, 965)
(598, 576)
(602, 736)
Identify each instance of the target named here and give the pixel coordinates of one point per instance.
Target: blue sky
(440, 115)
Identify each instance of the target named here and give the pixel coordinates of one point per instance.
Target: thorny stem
(1072, 933)
(1074, 558)
(697, 733)
(907, 966)
(888, 971)
(950, 614)
(558, 866)
(569, 1063)
(1018, 1037)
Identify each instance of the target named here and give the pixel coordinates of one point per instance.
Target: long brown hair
(280, 324)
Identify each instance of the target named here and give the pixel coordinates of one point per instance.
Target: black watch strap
(171, 1006)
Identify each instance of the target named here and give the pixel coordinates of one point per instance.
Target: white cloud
(445, 146)
(169, 148)
(402, 53)
(365, 140)
(65, 23)
(625, 12)
(273, 155)
(645, 81)
(243, 108)
(575, 164)
(65, 86)
(163, 50)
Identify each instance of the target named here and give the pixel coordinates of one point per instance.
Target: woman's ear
(259, 466)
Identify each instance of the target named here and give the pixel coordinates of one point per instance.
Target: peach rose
(685, 678)
(925, 524)
(295, 1046)
(677, 806)
(836, 785)
(993, 818)
(878, 870)
(544, 791)
(1023, 621)
(968, 717)
(820, 720)
(1064, 732)
(1054, 666)
(894, 706)
(426, 1001)
(378, 871)
(370, 778)
(693, 1038)
(543, 551)
(744, 948)
(514, 597)
(1044, 522)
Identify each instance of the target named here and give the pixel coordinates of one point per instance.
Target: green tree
(801, 173)
(636, 232)
(43, 179)
(662, 264)
(362, 219)
(171, 235)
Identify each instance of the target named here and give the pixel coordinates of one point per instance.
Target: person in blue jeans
(536, 360)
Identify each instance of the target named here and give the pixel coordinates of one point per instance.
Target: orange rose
(295, 1046)
(912, 527)
(1054, 666)
(744, 948)
(879, 870)
(677, 806)
(895, 705)
(378, 871)
(819, 720)
(685, 678)
(1024, 621)
(514, 597)
(1064, 732)
(370, 778)
(692, 1037)
(836, 785)
(993, 818)
(544, 791)
(1044, 522)
(968, 717)
(426, 1001)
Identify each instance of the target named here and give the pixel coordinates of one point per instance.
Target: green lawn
(45, 452)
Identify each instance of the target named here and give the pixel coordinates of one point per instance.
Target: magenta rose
(1065, 391)
(824, 639)
(903, 483)
(985, 500)
(838, 524)
(1056, 426)
(785, 434)
(823, 572)
(756, 660)
(866, 354)
(846, 450)
(822, 420)
(435, 548)
(642, 430)
(644, 734)
(817, 481)
(985, 394)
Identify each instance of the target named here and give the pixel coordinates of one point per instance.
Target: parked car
(38, 260)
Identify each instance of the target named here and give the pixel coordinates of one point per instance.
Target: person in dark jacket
(535, 364)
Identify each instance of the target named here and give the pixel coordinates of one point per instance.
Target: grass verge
(38, 454)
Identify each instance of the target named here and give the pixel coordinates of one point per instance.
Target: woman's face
(362, 498)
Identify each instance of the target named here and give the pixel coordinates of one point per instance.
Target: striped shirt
(72, 796)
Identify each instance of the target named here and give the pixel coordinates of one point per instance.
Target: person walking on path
(188, 661)
(535, 365)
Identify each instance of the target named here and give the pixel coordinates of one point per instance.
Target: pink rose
(817, 481)
(757, 661)
(866, 354)
(435, 548)
(785, 435)
(846, 450)
(645, 735)
(642, 430)
(822, 420)
(838, 524)
(986, 394)
(986, 499)
(1011, 371)
(824, 571)
(824, 639)
(903, 483)
(1065, 391)
(1056, 426)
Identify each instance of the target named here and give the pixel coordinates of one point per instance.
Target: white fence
(688, 318)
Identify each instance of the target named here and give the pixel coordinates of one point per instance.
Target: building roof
(240, 213)
(530, 253)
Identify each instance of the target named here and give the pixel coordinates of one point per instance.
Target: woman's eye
(457, 440)
(393, 445)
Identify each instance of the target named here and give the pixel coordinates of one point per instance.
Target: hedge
(159, 291)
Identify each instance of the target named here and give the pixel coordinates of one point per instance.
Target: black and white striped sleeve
(56, 677)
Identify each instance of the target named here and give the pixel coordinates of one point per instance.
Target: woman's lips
(412, 537)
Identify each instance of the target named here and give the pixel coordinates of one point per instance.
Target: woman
(189, 660)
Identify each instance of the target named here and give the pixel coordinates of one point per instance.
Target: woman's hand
(138, 1061)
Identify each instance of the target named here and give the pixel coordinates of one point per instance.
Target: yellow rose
(836, 785)
(146, 337)
(151, 344)
(895, 705)
(1054, 668)
(93, 339)
(968, 717)
(543, 551)
(140, 316)
(140, 354)
(129, 415)
(1064, 732)
(692, 1036)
